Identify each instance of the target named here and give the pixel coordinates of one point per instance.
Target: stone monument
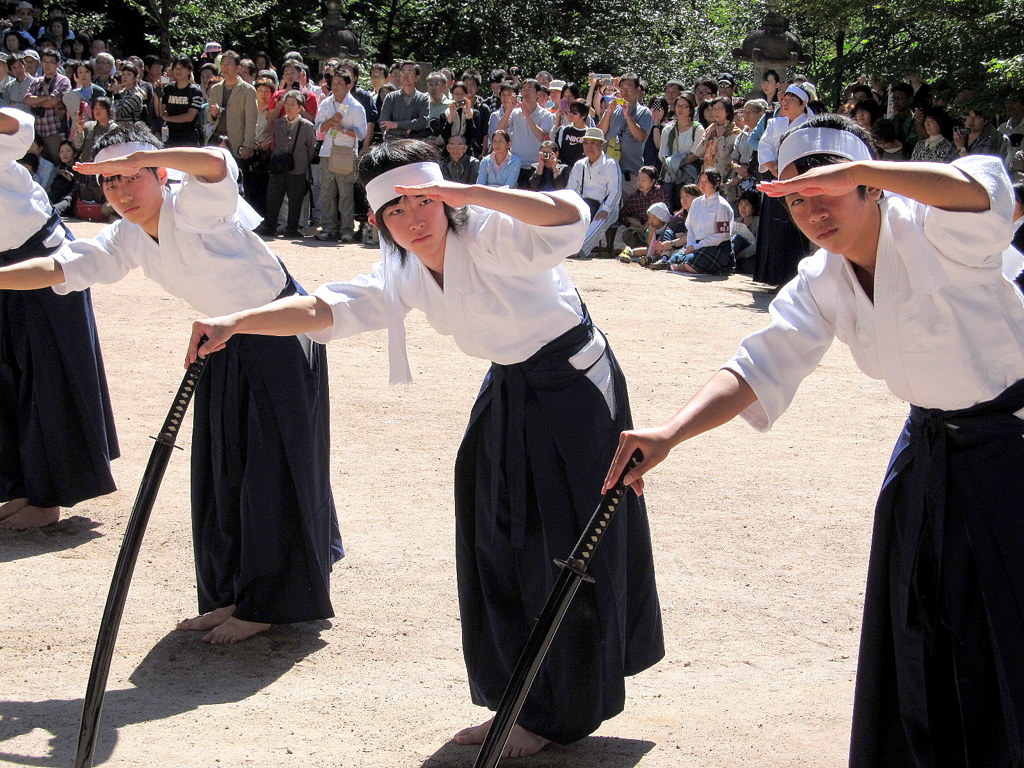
(771, 46)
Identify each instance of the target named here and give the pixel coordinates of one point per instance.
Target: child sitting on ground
(657, 222)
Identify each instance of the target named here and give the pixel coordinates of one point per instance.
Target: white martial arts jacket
(945, 330)
(25, 205)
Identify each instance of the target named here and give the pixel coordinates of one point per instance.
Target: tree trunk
(840, 69)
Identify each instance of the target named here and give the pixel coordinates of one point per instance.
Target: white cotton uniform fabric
(945, 330)
(768, 146)
(207, 253)
(24, 203)
(709, 221)
(505, 292)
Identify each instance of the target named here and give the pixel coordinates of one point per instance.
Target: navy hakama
(57, 434)
(527, 479)
(940, 678)
(780, 244)
(264, 526)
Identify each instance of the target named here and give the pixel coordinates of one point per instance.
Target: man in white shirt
(342, 121)
(1013, 128)
(597, 179)
(528, 124)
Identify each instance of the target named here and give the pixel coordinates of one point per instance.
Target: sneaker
(322, 236)
(626, 256)
(346, 237)
(292, 232)
(644, 261)
(659, 265)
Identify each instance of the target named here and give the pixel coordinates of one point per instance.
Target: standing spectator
(673, 89)
(507, 102)
(294, 135)
(597, 179)
(549, 173)
(404, 114)
(902, 114)
(262, 61)
(182, 102)
(569, 137)
(15, 92)
(103, 64)
(495, 81)
(439, 101)
(378, 76)
(1013, 128)
(294, 77)
(152, 81)
(719, 141)
(461, 118)
(45, 97)
(33, 64)
(256, 183)
(528, 124)
(129, 98)
(14, 41)
(978, 136)
(232, 111)
(501, 167)
(472, 80)
(866, 113)
(937, 146)
(630, 123)
(726, 85)
(30, 26)
(87, 89)
(680, 165)
(460, 166)
(342, 120)
(365, 98)
(770, 87)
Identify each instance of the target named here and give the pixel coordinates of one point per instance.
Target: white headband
(115, 151)
(799, 92)
(815, 141)
(381, 190)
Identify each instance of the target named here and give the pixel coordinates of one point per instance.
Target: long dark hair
(393, 154)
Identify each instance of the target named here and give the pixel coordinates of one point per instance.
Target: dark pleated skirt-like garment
(57, 435)
(780, 244)
(519, 508)
(264, 526)
(940, 676)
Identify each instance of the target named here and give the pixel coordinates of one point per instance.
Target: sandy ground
(760, 541)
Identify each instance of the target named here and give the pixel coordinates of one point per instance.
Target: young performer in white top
(540, 435)
(264, 528)
(56, 427)
(910, 275)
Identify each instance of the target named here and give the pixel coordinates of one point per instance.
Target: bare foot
(30, 517)
(234, 631)
(207, 621)
(14, 505)
(521, 743)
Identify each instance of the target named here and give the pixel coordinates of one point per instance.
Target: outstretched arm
(723, 397)
(935, 184)
(284, 317)
(206, 164)
(31, 274)
(535, 208)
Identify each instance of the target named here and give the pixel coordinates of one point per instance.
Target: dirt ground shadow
(593, 752)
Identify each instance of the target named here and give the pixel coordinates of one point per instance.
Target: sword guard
(164, 442)
(576, 566)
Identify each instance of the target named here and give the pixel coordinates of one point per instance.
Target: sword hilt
(179, 407)
(579, 561)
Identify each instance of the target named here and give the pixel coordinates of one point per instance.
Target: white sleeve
(613, 195)
(774, 360)
(768, 146)
(321, 113)
(205, 206)
(357, 306)
(505, 245)
(14, 146)
(104, 259)
(967, 237)
(576, 177)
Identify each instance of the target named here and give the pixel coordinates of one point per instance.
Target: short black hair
(393, 154)
(123, 134)
(349, 64)
(32, 160)
(839, 123)
(753, 197)
(183, 61)
(906, 88)
(726, 102)
(497, 76)
(714, 177)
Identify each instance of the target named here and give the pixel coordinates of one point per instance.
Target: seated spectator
(64, 182)
(500, 168)
(657, 218)
(5, 75)
(294, 136)
(31, 162)
(459, 165)
(460, 118)
(889, 147)
(597, 179)
(569, 135)
(44, 169)
(979, 136)
(549, 173)
(708, 248)
(937, 146)
(744, 230)
(633, 213)
(103, 64)
(673, 237)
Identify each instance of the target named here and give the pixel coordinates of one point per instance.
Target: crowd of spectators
(669, 172)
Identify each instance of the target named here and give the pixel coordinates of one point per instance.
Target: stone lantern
(771, 46)
(334, 39)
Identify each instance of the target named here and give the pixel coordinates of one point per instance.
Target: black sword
(126, 558)
(574, 571)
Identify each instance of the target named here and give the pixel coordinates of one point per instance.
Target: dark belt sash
(36, 245)
(549, 368)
